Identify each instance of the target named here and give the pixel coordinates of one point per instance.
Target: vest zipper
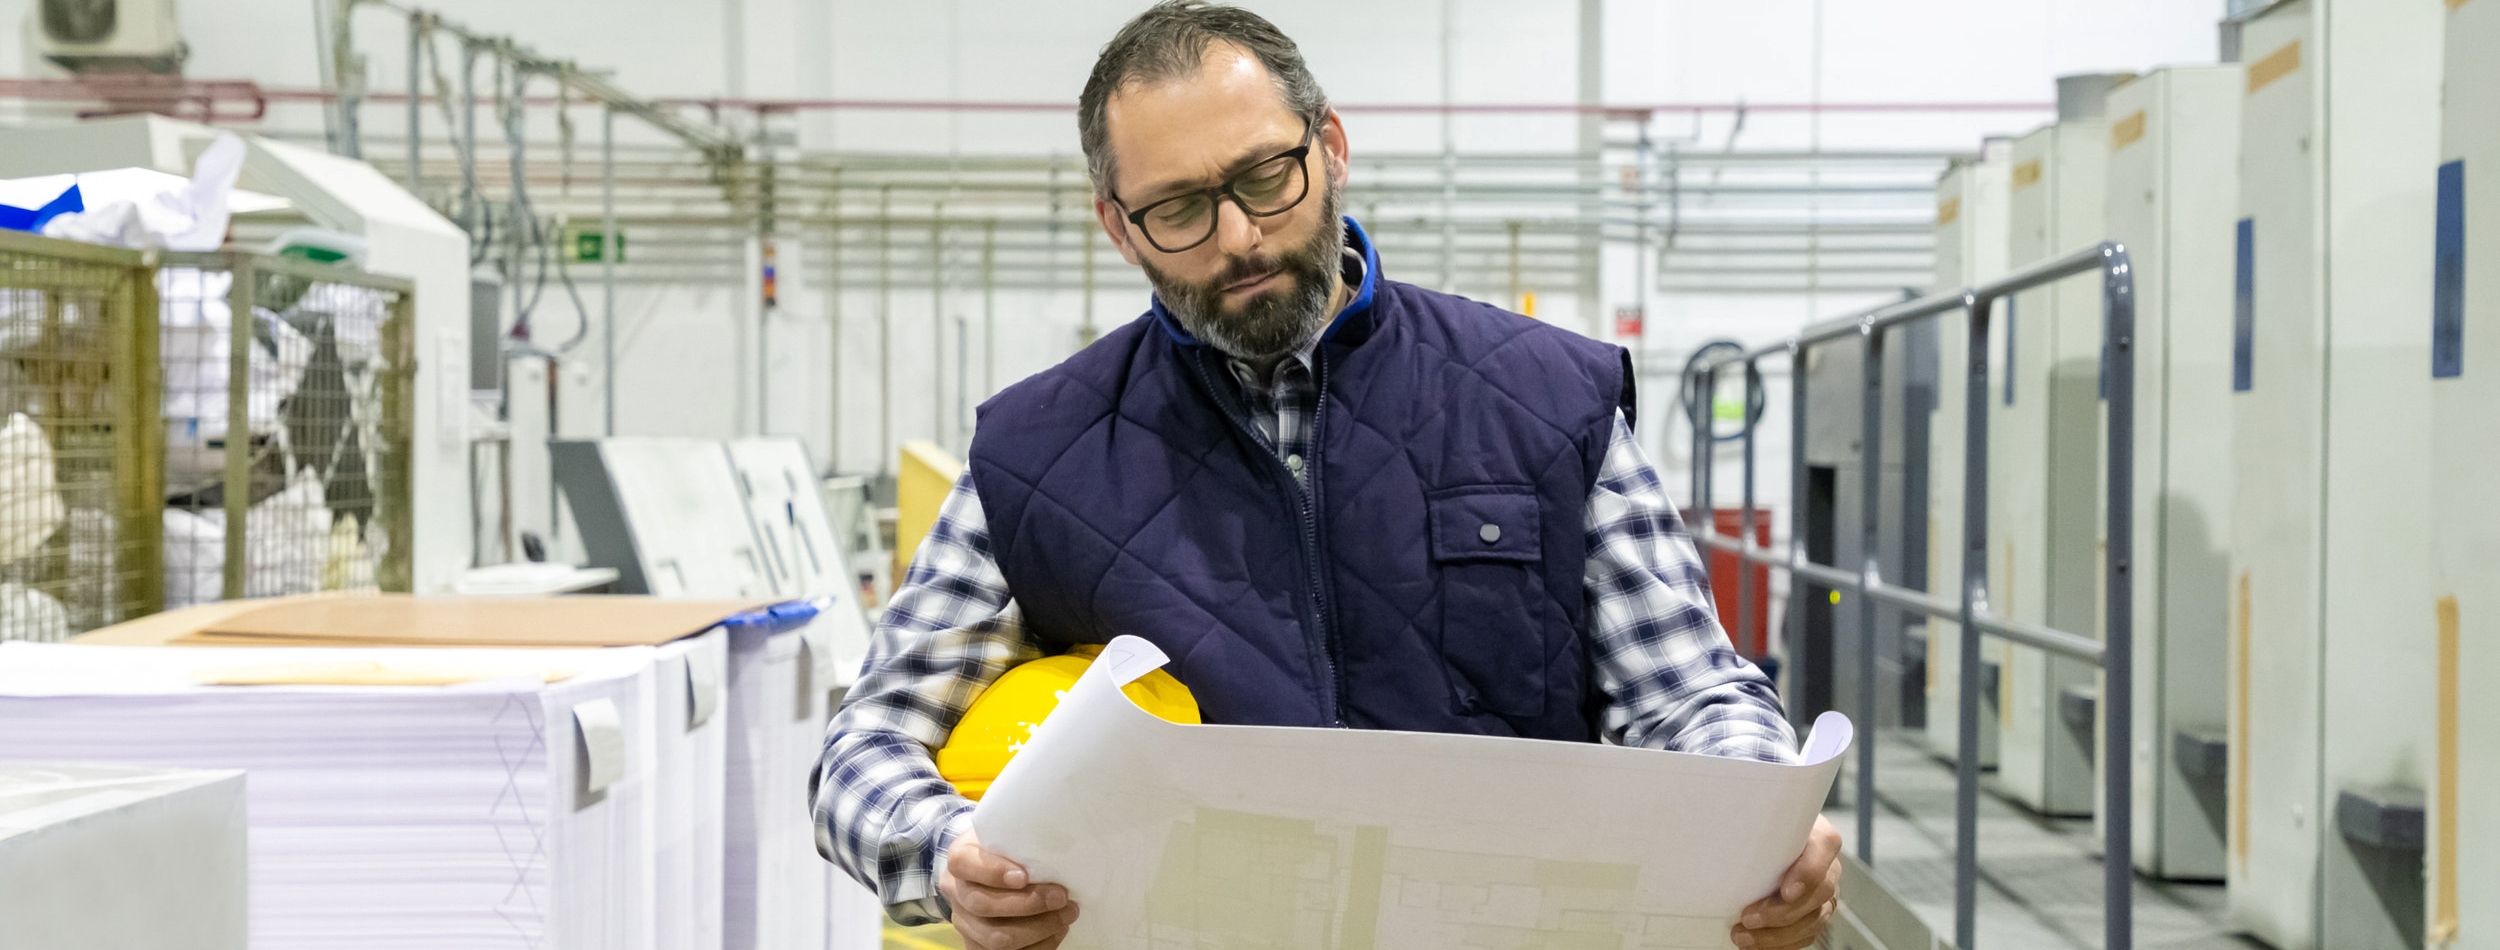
(1311, 539)
(1305, 508)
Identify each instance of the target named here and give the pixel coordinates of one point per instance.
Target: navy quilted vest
(1430, 578)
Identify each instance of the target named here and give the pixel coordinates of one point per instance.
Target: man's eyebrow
(1250, 156)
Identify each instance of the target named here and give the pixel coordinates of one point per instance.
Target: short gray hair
(1169, 41)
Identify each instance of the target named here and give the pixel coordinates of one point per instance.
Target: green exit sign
(589, 247)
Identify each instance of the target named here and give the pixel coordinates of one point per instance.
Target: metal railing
(2114, 653)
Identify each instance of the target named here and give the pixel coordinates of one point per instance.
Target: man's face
(1259, 286)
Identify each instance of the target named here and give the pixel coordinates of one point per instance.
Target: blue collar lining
(1362, 302)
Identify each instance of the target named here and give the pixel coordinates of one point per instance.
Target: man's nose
(1236, 233)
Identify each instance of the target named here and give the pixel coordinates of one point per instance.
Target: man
(1332, 498)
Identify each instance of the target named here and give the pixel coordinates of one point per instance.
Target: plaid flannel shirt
(883, 813)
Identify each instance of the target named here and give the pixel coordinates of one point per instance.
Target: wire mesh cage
(78, 538)
(316, 362)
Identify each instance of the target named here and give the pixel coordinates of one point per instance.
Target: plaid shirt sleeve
(882, 811)
(1671, 679)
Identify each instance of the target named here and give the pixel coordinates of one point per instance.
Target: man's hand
(997, 907)
(1795, 916)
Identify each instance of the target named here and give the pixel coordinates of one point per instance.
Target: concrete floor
(2039, 878)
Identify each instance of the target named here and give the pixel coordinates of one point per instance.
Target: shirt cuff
(933, 908)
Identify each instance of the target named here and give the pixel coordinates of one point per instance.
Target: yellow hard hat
(1003, 717)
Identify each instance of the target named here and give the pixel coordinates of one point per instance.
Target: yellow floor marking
(897, 936)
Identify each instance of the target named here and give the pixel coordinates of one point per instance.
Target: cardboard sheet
(1244, 836)
(365, 673)
(404, 620)
(162, 629)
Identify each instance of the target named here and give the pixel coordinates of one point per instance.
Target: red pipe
(124, 93)
(208, 93)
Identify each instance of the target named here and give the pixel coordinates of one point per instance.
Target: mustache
(1244, 269)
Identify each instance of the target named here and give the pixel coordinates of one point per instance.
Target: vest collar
(1352, 323)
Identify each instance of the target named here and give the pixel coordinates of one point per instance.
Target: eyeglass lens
(1268, 188)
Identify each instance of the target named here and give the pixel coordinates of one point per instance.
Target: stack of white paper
(780, 894)
(691, 743)
(503, 812)
(107, 857)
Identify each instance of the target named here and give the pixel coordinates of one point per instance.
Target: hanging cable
(527, 232)
(474, 216)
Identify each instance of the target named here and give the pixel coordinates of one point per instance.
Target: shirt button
(1294, 462)
(1490, 533)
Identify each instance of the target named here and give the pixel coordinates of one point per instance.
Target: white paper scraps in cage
(291, 545)
(30, 495)
(30, 614)
(195, 347)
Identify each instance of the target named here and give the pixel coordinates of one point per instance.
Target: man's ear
(1115, 224)
(1333, 141)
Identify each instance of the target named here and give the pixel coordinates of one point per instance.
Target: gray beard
(1274, 324)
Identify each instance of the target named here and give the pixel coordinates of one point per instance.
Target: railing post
(1870, 568)
(1797, 492)
(1745, 519)
(1705, 450)
(2118, 656)
(1974, 598)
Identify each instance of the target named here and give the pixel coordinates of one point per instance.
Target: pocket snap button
(1490, 533)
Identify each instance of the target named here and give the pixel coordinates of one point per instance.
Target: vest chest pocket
(1488, 558)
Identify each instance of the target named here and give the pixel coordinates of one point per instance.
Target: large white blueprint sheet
(1173, 836)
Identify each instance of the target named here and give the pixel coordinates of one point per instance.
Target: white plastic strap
(703, 674)
(603, 743)
(821, 667)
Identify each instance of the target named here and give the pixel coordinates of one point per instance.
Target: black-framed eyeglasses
(1270, 188)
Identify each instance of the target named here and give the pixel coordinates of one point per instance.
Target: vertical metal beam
(1449, 147)
(1517, 302)
(989, 307)
(416, 101)
(963, 384)
(768, 249)
(885, 329)
(2118, 658)
(1087, 332)
(937, 323)
(609, 250)
(1870, 566)
(834, 372)
(1592, 153)
(1974, 600)
(238, 487)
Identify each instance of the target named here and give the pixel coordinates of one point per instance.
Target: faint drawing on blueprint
(1260, 882)
(1178, 837)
